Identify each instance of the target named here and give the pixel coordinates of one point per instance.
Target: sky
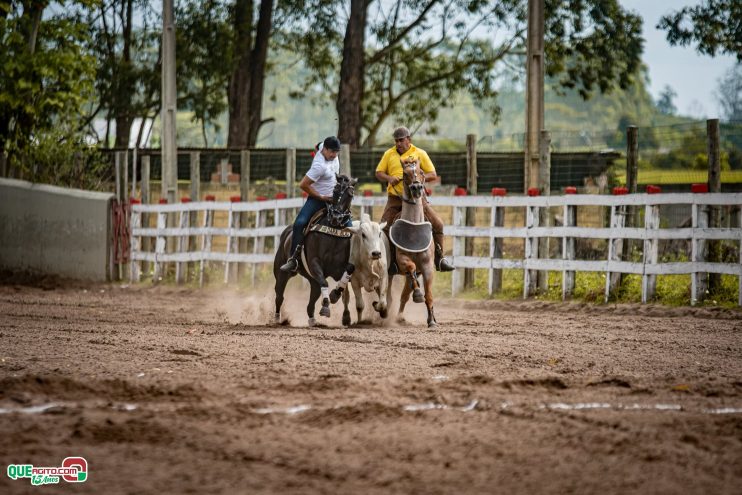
(694, 77)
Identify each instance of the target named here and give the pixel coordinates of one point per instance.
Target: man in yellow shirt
(389, 170)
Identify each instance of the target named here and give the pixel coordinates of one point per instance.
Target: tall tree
(350, 91)
(128, 81)
(729, 93)
(245, 93)
(45, 76)
(419, 55)
(714, 26)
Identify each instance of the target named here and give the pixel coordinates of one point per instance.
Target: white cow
(368, 254)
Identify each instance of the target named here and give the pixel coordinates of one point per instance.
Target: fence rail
(531, 233)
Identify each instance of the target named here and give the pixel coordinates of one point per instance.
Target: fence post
(144, 187)
(258, 242)
(568, 251)
(699, 280)
(182, 245)
(122, 191)
(206, 240)
(195, 160)
(615, 250)
(459, 243)
(714, 182)
(135, 273)
(160, 244)
(291, 171)
(497, 219)
(530, 277)
(544, 180)
(651, 254)
(471, 186)
(245, 195)
(632, 177)
(234, 223)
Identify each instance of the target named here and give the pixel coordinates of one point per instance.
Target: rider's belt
(325, 229)
(411, 237)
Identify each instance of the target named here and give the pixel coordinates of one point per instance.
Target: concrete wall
(49, 229)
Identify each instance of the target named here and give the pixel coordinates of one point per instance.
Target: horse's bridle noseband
(407, 196)
(337, 214)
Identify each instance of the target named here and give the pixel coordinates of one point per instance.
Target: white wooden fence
(699, 233)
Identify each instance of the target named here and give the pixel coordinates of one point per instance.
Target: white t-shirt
(322, 172)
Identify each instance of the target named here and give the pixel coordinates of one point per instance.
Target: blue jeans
(311, 207)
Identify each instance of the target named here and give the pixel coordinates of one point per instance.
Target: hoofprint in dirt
(166, 390)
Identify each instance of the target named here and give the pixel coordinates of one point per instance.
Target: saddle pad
(411, 237)
(326, 229)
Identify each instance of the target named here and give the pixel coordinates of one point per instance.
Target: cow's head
(368, 234)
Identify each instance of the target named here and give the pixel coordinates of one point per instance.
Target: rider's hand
(394, 180)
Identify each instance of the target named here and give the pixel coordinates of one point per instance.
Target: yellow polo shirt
(391, 164)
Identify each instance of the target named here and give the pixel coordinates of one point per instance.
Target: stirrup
(290, 266)
(443, 265)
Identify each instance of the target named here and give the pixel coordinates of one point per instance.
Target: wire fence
(673, 156)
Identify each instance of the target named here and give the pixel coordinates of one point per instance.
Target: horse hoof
(384, 313)
(346, 319)
(325, 311)
(312, 322)
(417, 296)
(432, 324)
(335, 295)
(277, 318)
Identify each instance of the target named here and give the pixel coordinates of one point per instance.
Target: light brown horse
(413, 237)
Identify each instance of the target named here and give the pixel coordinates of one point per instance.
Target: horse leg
(407, 267)
(315, 270)
(346, 313)
(343, 284)
(358, 293)
(314, 292)
(282, 278)
(428, 274)
(417, 294)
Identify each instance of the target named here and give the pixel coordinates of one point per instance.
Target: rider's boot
(292, 264)
(441, 263)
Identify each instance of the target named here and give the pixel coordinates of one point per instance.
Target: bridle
(417, 174)
(338, 212)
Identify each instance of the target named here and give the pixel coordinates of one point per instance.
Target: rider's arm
(306, 186)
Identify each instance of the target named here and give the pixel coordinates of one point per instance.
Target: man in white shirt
(318, 183)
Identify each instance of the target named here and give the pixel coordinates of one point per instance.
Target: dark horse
(326, 254)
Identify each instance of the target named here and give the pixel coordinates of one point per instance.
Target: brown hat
(401, 132)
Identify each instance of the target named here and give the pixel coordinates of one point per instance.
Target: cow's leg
(314, 292)
(316, 272)
(346, 313)
(358, 293)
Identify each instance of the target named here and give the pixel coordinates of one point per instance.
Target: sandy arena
(168, 390)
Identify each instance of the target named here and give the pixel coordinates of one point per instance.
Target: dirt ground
(169, 390)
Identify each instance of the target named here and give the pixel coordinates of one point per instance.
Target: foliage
(665, 103)
(127, 62)
(204, 44)
(45, 79)
(729, 93)
(713, 27)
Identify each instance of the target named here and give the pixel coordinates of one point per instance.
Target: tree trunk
(123, 113)
(257, 69)
(350, 92)
(238, 92)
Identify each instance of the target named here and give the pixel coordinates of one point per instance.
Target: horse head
(414, 178)
(342, 196)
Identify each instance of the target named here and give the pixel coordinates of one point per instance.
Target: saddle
(319, 223)
(411, 237)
